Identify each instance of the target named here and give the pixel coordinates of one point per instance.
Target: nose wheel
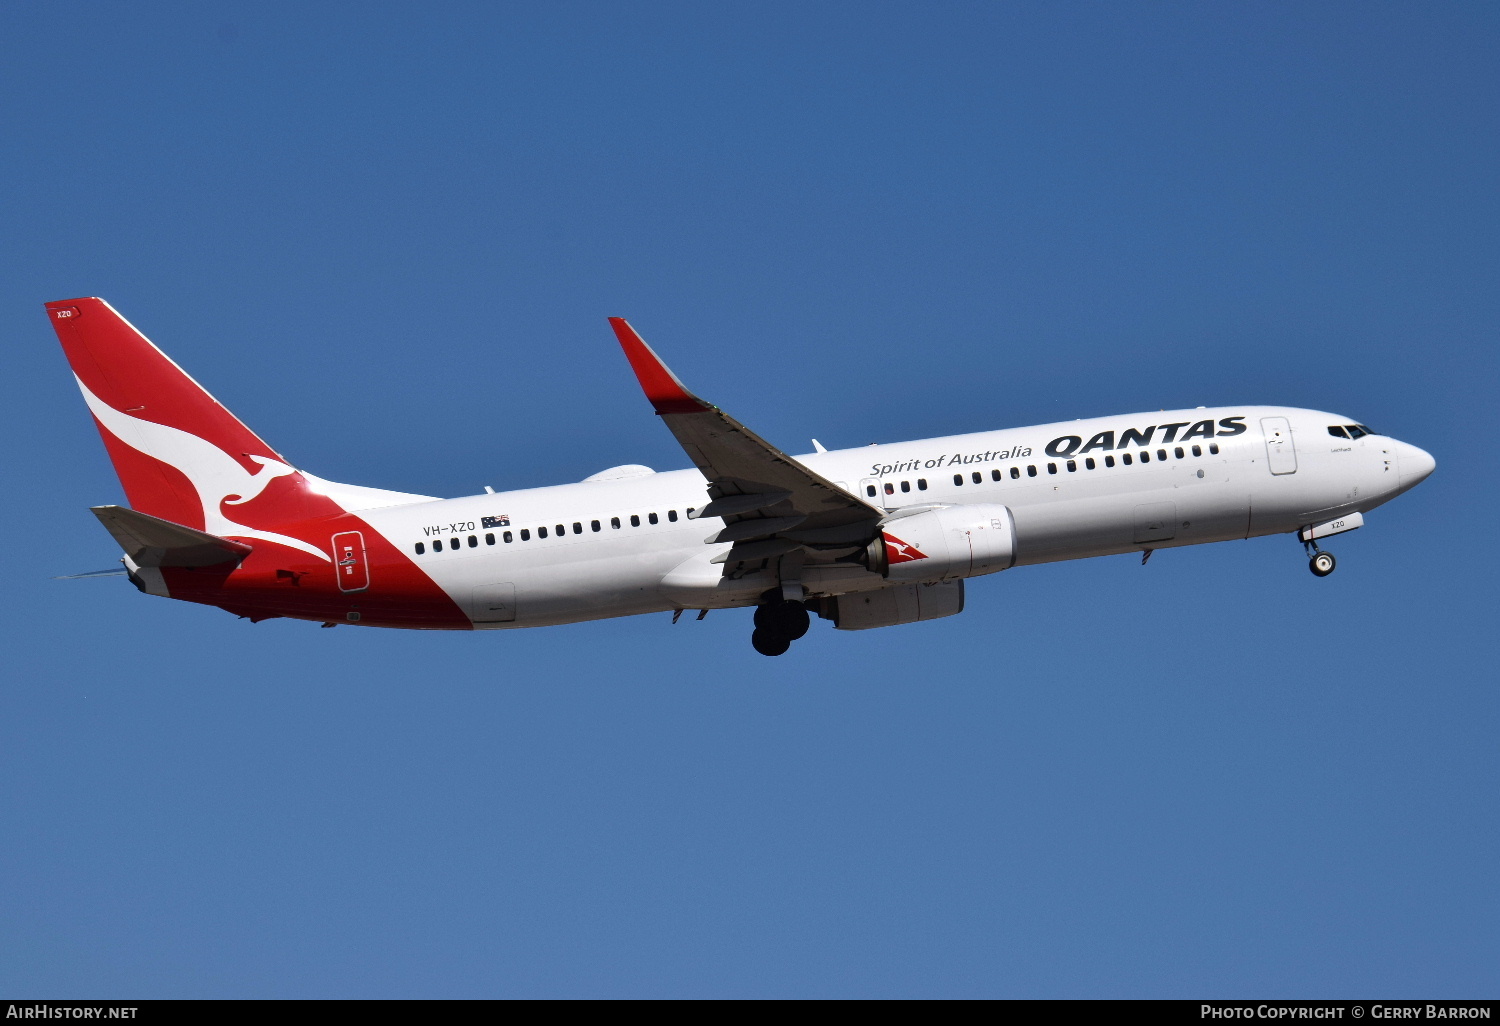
(777, 625)
(1322, 563)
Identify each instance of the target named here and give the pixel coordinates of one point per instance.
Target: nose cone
(1415, 464)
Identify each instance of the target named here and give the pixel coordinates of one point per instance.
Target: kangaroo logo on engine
(898, 551)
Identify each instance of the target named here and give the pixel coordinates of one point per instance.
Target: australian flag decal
(500, 521)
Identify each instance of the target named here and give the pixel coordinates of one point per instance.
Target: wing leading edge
(770, 503)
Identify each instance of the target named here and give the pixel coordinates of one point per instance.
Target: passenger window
(421, 548)
(561, 531)
(890, 489)
(506, 537)
(1161, 454)
(635, 520)
(473, 542)
(652, 518)
(577, 527)
(672, 515)
(1337, 432)
(958, 479)
(870, 491)
(1052, 468)
(614, 522)
(995, 474)
(1015, 473)
(541, 532)
(1031, 470)
(690, 512)
(1197, 450)
(921, 484)
(1213, 448)
(489, 539)
(526, 534)
(1072, 466)
(977, 477)
(906, 486)
(1109, 461)
(1126, 459)
(1088, 462)
(1177, 452)
(594, 525)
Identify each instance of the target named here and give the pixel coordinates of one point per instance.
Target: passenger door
(1281, 454)
(349, 561)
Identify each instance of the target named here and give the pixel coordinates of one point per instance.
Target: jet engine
(940, 543)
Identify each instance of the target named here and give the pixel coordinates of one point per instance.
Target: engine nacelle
(944, 543)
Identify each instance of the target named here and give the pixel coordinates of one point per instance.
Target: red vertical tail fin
(179, 453)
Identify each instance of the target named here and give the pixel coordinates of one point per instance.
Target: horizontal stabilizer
(151, 541)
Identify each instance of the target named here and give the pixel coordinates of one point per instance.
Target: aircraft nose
(1416, 464)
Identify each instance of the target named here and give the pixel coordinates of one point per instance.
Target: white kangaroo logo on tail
(216, 476)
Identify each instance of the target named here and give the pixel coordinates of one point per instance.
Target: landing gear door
(1280, 453)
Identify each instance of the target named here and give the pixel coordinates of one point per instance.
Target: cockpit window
(1337, 431)
(1356, 431)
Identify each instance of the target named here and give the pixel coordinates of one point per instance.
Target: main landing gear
(778, 623)
(1320, 563)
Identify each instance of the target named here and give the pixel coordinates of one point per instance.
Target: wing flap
(732, 505)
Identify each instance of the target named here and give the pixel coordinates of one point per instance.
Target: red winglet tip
(661, 386)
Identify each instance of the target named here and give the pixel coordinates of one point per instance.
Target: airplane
(869, 537)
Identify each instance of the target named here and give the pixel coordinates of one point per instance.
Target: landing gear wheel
(1322, 564)
(788, 619)
(769, 643)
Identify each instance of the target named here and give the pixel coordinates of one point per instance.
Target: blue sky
(387, 236)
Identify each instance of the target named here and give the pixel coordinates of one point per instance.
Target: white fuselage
(1068, 500)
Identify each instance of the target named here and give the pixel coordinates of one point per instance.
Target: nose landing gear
(1321, 563)
(777, 624)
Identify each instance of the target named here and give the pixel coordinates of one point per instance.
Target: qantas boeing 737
(869, 537)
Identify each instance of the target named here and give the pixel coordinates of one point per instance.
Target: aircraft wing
(771, 504)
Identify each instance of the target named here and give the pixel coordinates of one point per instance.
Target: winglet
(661, 386)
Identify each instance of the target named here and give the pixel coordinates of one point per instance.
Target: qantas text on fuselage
(870, 537)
